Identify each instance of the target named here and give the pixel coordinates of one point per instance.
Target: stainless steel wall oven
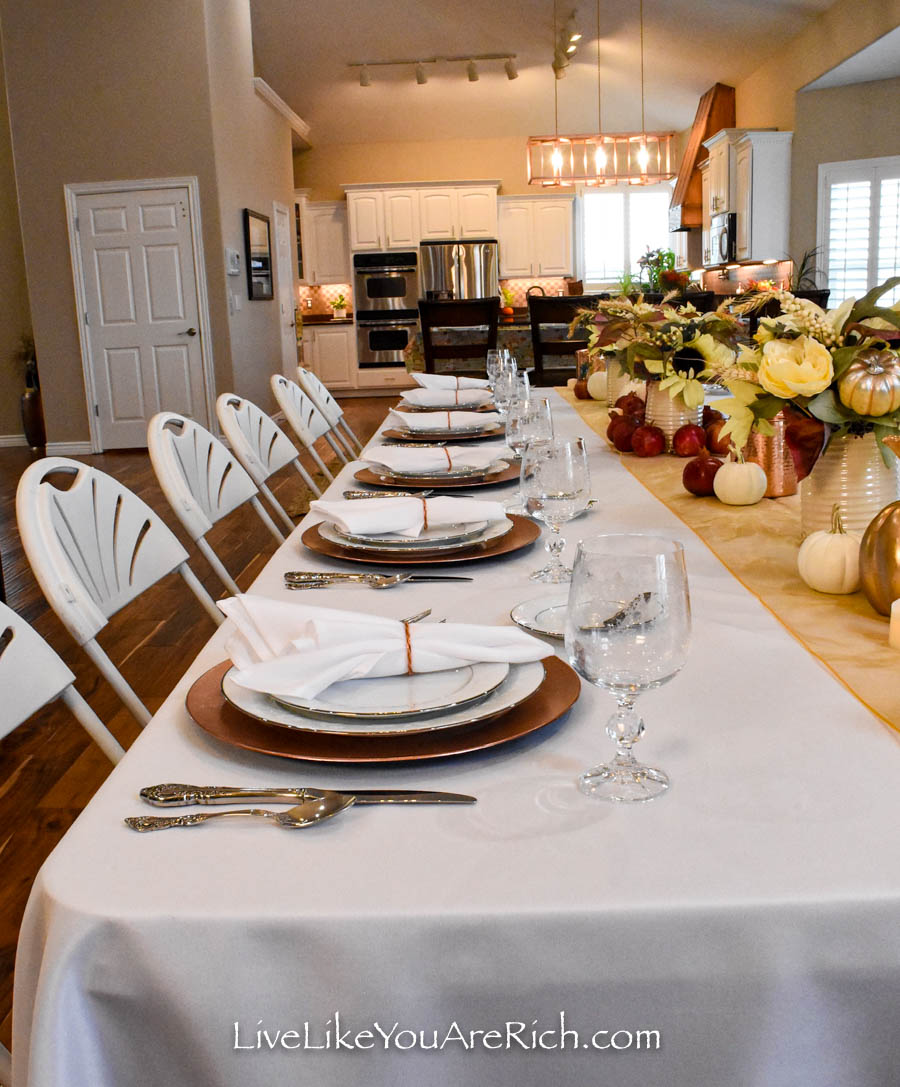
(385, 297)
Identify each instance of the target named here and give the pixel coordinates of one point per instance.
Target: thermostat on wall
(232, 262)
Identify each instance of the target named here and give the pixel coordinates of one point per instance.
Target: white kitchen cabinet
(718, 173)
(477, 212)
(329, 350)
(535, 235)
(401, 218)
(326, 257)
(705, 228)
(365, 212)
(438, 214)
(762, 194)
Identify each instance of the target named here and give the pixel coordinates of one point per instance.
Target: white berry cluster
(807, 318)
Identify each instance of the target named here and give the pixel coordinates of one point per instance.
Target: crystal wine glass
(556, 485)
(526, 421)
(505, 384)
(628, 627)
(492, 365)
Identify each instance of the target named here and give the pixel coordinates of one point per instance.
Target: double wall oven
(385, 293)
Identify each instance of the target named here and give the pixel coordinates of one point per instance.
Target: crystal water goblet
(526, 421)
(556, 485)
(628, 629)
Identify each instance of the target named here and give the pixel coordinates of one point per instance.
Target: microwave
(723, 238)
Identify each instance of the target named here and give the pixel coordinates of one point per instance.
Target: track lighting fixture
(472, 71)
(421, 77)
(364, 78)
(512, 72)
(469, 59)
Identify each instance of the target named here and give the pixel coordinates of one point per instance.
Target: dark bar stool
(479, 315)
(549, 343)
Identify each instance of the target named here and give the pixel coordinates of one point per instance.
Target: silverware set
(316, 579)
(315, 805)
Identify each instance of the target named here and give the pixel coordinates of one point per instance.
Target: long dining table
(741, 930)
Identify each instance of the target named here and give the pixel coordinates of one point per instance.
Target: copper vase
(772, 454)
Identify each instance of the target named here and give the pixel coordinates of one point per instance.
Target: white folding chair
(31, 675)
(261, 446)
(93, 549)
(303, 417)
(202, 481)
(318, 392)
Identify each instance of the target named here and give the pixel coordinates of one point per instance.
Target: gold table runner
(758, 544)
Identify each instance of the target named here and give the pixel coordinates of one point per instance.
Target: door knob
(188, 332)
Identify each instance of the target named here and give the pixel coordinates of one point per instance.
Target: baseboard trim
(8, 441)
(69, 449)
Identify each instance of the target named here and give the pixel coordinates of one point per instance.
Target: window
(620, 225)
(859, 226)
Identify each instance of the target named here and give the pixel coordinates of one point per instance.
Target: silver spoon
(318, 807)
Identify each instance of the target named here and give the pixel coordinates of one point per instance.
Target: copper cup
(772, 454)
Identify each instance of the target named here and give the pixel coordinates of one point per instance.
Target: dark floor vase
(33, 418)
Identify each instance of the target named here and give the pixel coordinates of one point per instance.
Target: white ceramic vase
(619, 382)
(669, 413)
(850, 474)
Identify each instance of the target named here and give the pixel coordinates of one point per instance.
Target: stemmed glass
(492, 365)
(526, 421)
(556, 485)
(628, 628)
(505, 384)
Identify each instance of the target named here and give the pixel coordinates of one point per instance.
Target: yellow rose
(790, 368)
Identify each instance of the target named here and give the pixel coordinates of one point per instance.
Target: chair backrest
(94, 547)
(314, 388)
(299, 410)
(201, 479)
(548, 316)
(258, 442)
(478, 315)
(31, 673)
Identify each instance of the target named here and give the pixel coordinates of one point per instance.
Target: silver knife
(173, 795)
(355, 496)
(293, 577)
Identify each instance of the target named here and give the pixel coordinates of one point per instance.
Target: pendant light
(600, 158)
(643, 155)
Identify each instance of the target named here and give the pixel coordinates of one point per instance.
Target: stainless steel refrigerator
(458, 269)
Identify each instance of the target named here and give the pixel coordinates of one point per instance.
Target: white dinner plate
(428, 537)
(545, 615)
(491, 531)
(445, 432)
(522, 680)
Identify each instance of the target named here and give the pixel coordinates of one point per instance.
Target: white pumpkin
(829, 560)
(740, 483)
(597, 385)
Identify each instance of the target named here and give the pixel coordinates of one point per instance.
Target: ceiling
(880, 60)
(302, 50)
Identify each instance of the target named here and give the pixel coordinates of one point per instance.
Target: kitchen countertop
(326, 319)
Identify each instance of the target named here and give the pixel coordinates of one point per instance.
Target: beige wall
(766, 98)
(835, 125)
(323, 170)
(15, 317)
(253, 164)
(102, 91)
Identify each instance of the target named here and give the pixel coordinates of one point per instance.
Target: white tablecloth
(751, 916)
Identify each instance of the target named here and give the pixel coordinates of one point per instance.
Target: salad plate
(428, 537)
(489, 531)
(545, 615)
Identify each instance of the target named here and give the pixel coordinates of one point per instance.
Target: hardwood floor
(49, 768)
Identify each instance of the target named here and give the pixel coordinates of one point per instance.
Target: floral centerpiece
(828, 366)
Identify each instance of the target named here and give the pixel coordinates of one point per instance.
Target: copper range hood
(715, 112)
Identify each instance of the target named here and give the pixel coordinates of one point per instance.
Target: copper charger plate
(523, 533)
(443, 435)
(210, 709)
(407, 483)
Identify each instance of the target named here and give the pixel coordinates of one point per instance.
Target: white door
(142, 318)
(743, 175)
(284, 285)
(366, 214)
(335, 356)
(401, 219)
(326, 227)
(553, 237)
(516, 239)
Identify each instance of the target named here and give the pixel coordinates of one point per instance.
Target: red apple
(623, 432)
(648, 441)
(699, 473)
(715, 443)
(710, 415)
(688, 440)
(631, 404)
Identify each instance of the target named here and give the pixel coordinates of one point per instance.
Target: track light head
(364, 77)
(512, 72)
(421, 77)
(472, 71)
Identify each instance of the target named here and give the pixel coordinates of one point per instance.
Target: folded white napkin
(443, 420)
(433, 460)
(446, 398)
(298, 651)
(448, 381)
(405, 516)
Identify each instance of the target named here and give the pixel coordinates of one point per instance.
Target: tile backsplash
(519, 288)
(322, 297)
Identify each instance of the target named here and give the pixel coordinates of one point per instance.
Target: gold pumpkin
(871, 385)
(879, 559)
